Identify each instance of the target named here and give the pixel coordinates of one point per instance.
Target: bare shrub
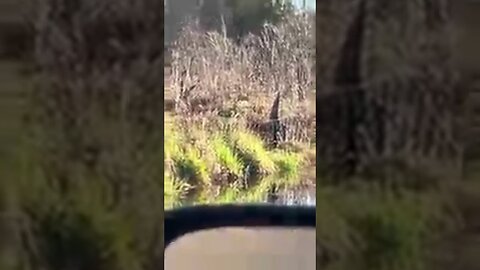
(211, 74)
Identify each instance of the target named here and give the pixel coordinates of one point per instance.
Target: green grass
(253, 152)
(224, 166)
(288, 165)
(227, 157)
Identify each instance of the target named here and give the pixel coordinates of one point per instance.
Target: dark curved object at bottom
(186, 220)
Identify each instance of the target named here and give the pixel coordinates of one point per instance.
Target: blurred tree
(249, 15)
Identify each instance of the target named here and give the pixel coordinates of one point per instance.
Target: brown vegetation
(394, 102)
(212, 76)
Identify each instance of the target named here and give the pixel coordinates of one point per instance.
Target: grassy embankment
(226, 166)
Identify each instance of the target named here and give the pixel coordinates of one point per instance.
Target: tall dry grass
(391, 85)
(212, 76)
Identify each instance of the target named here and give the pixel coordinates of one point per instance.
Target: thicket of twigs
(212, 76)
(211, 66)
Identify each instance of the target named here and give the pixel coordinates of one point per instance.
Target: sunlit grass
(288, 166)
(224, 166)
(227, 156)
(252, 150)
(192, 168)
(174, 191)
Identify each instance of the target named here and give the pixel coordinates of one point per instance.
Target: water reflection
(297, 197)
